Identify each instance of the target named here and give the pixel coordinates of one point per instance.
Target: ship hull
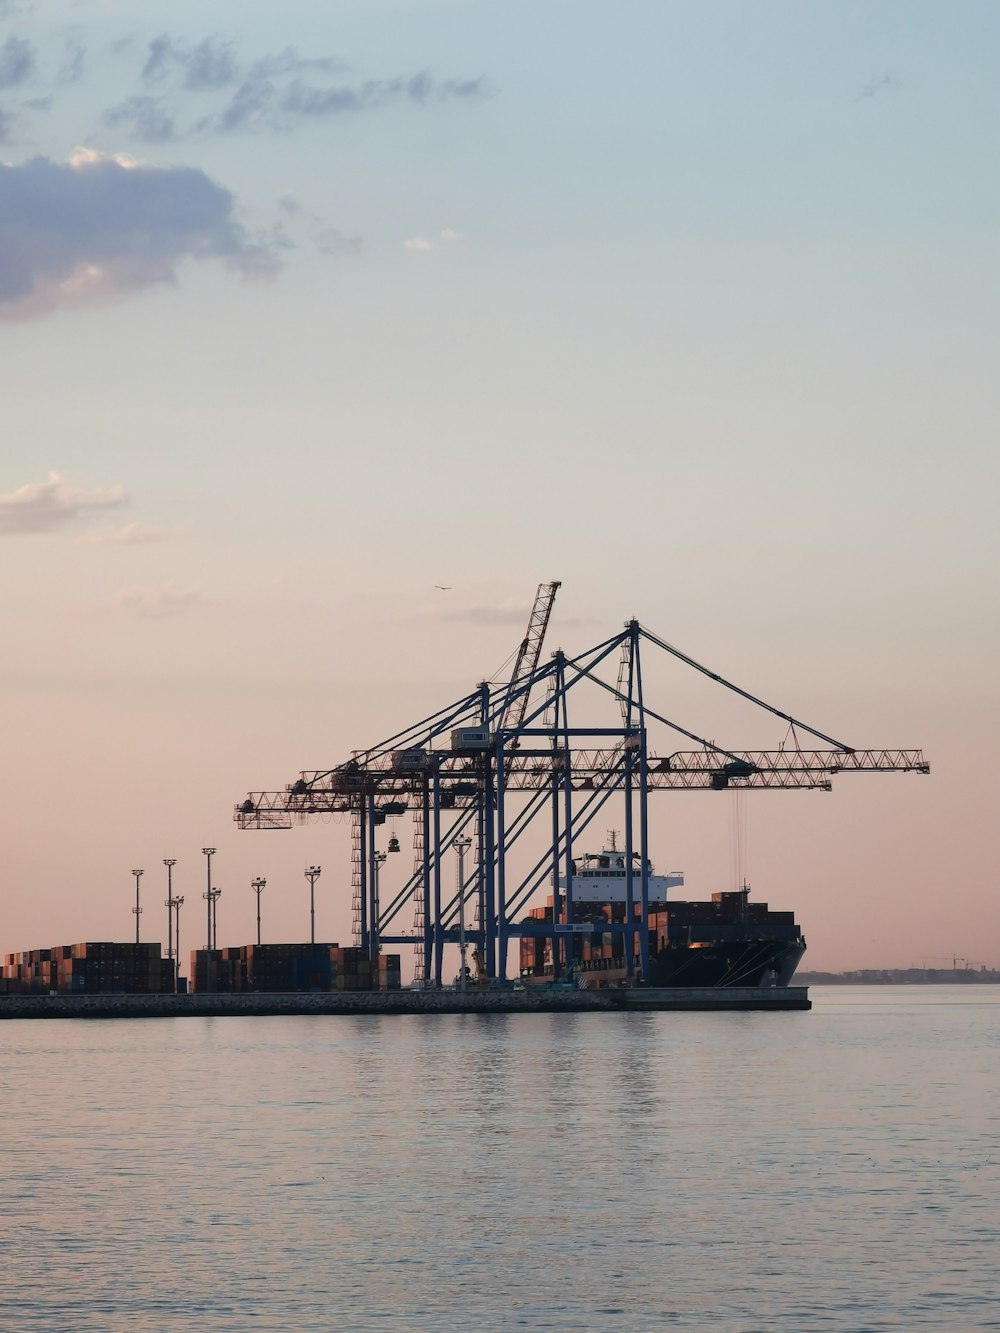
(747, 962)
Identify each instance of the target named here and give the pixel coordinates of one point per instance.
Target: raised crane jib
(527, 656)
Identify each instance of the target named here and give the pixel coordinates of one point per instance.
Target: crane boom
(692, 770)
(527, 656)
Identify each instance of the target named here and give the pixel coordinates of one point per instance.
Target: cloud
(145, 118)
(885, 84)
(330, 241)
(159, 60)
(49, 505)
(305, 100)
(155, 603)
(290, 62)
(99, 227)
(253, 100)
(501, 613)
(17, 61)
(261, 102)
(210, 64)
(507, 612)
(73, 62)
(421, 244)
(269, 93)
(133, 534)
(6, 127)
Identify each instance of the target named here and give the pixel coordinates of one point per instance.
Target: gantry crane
(491, 764)
(511, 717)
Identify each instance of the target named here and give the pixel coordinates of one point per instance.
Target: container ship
(727, 941)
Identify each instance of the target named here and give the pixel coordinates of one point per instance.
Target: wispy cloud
(289, 61)
(145, 118)
(330, 241)
(502, 613)
(208, 65)
(499, 613)
(884, 84)
(303, 99)
(422, 244)
(155, 603)
(269, 93)
(74, 57)
(99, 227)
(48, 506)
(17, 62)
(132, 534)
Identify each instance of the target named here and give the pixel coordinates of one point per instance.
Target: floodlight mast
(258, 885)
(170, 862)
(137, 910)
(312, 874)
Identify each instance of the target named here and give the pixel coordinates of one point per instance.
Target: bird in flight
(443, 587)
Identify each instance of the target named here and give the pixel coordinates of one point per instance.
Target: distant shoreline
(902, 976)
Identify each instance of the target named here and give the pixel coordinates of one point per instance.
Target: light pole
(137, 910)
(258, 885)
(216, 895)
(378, 861)
(461, 846)
(209, 853)
(170, 862)
(312, 874)
(178, 904)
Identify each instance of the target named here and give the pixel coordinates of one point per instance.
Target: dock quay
(534, 999)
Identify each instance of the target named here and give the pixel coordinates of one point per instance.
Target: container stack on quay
(261, 968)
(93, 968)
(106, 968)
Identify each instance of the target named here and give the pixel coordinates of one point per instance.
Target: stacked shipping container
(92, 968)
(291, 967)
(668, 923)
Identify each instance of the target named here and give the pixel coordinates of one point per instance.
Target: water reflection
(835, 1170)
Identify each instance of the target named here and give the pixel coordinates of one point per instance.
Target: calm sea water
(836, 1170)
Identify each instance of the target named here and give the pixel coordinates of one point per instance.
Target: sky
(306, 309)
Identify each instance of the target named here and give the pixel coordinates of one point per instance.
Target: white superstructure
(599, 877)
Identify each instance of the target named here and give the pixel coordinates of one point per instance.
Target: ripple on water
(826, 1171)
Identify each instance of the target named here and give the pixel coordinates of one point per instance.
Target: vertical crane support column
(630, 936)
(627, 740)
(372, 940)
(643, 810)
(363, 833)
(487, 847)
(438, 940)
(503, 935)
(570, 936)
(556, 934)
(428, 927)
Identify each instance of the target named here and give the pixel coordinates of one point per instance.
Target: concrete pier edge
(535, 999)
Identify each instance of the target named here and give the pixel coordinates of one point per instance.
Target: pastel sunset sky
(308, 308)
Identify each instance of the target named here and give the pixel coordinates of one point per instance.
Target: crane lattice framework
(490, 765)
